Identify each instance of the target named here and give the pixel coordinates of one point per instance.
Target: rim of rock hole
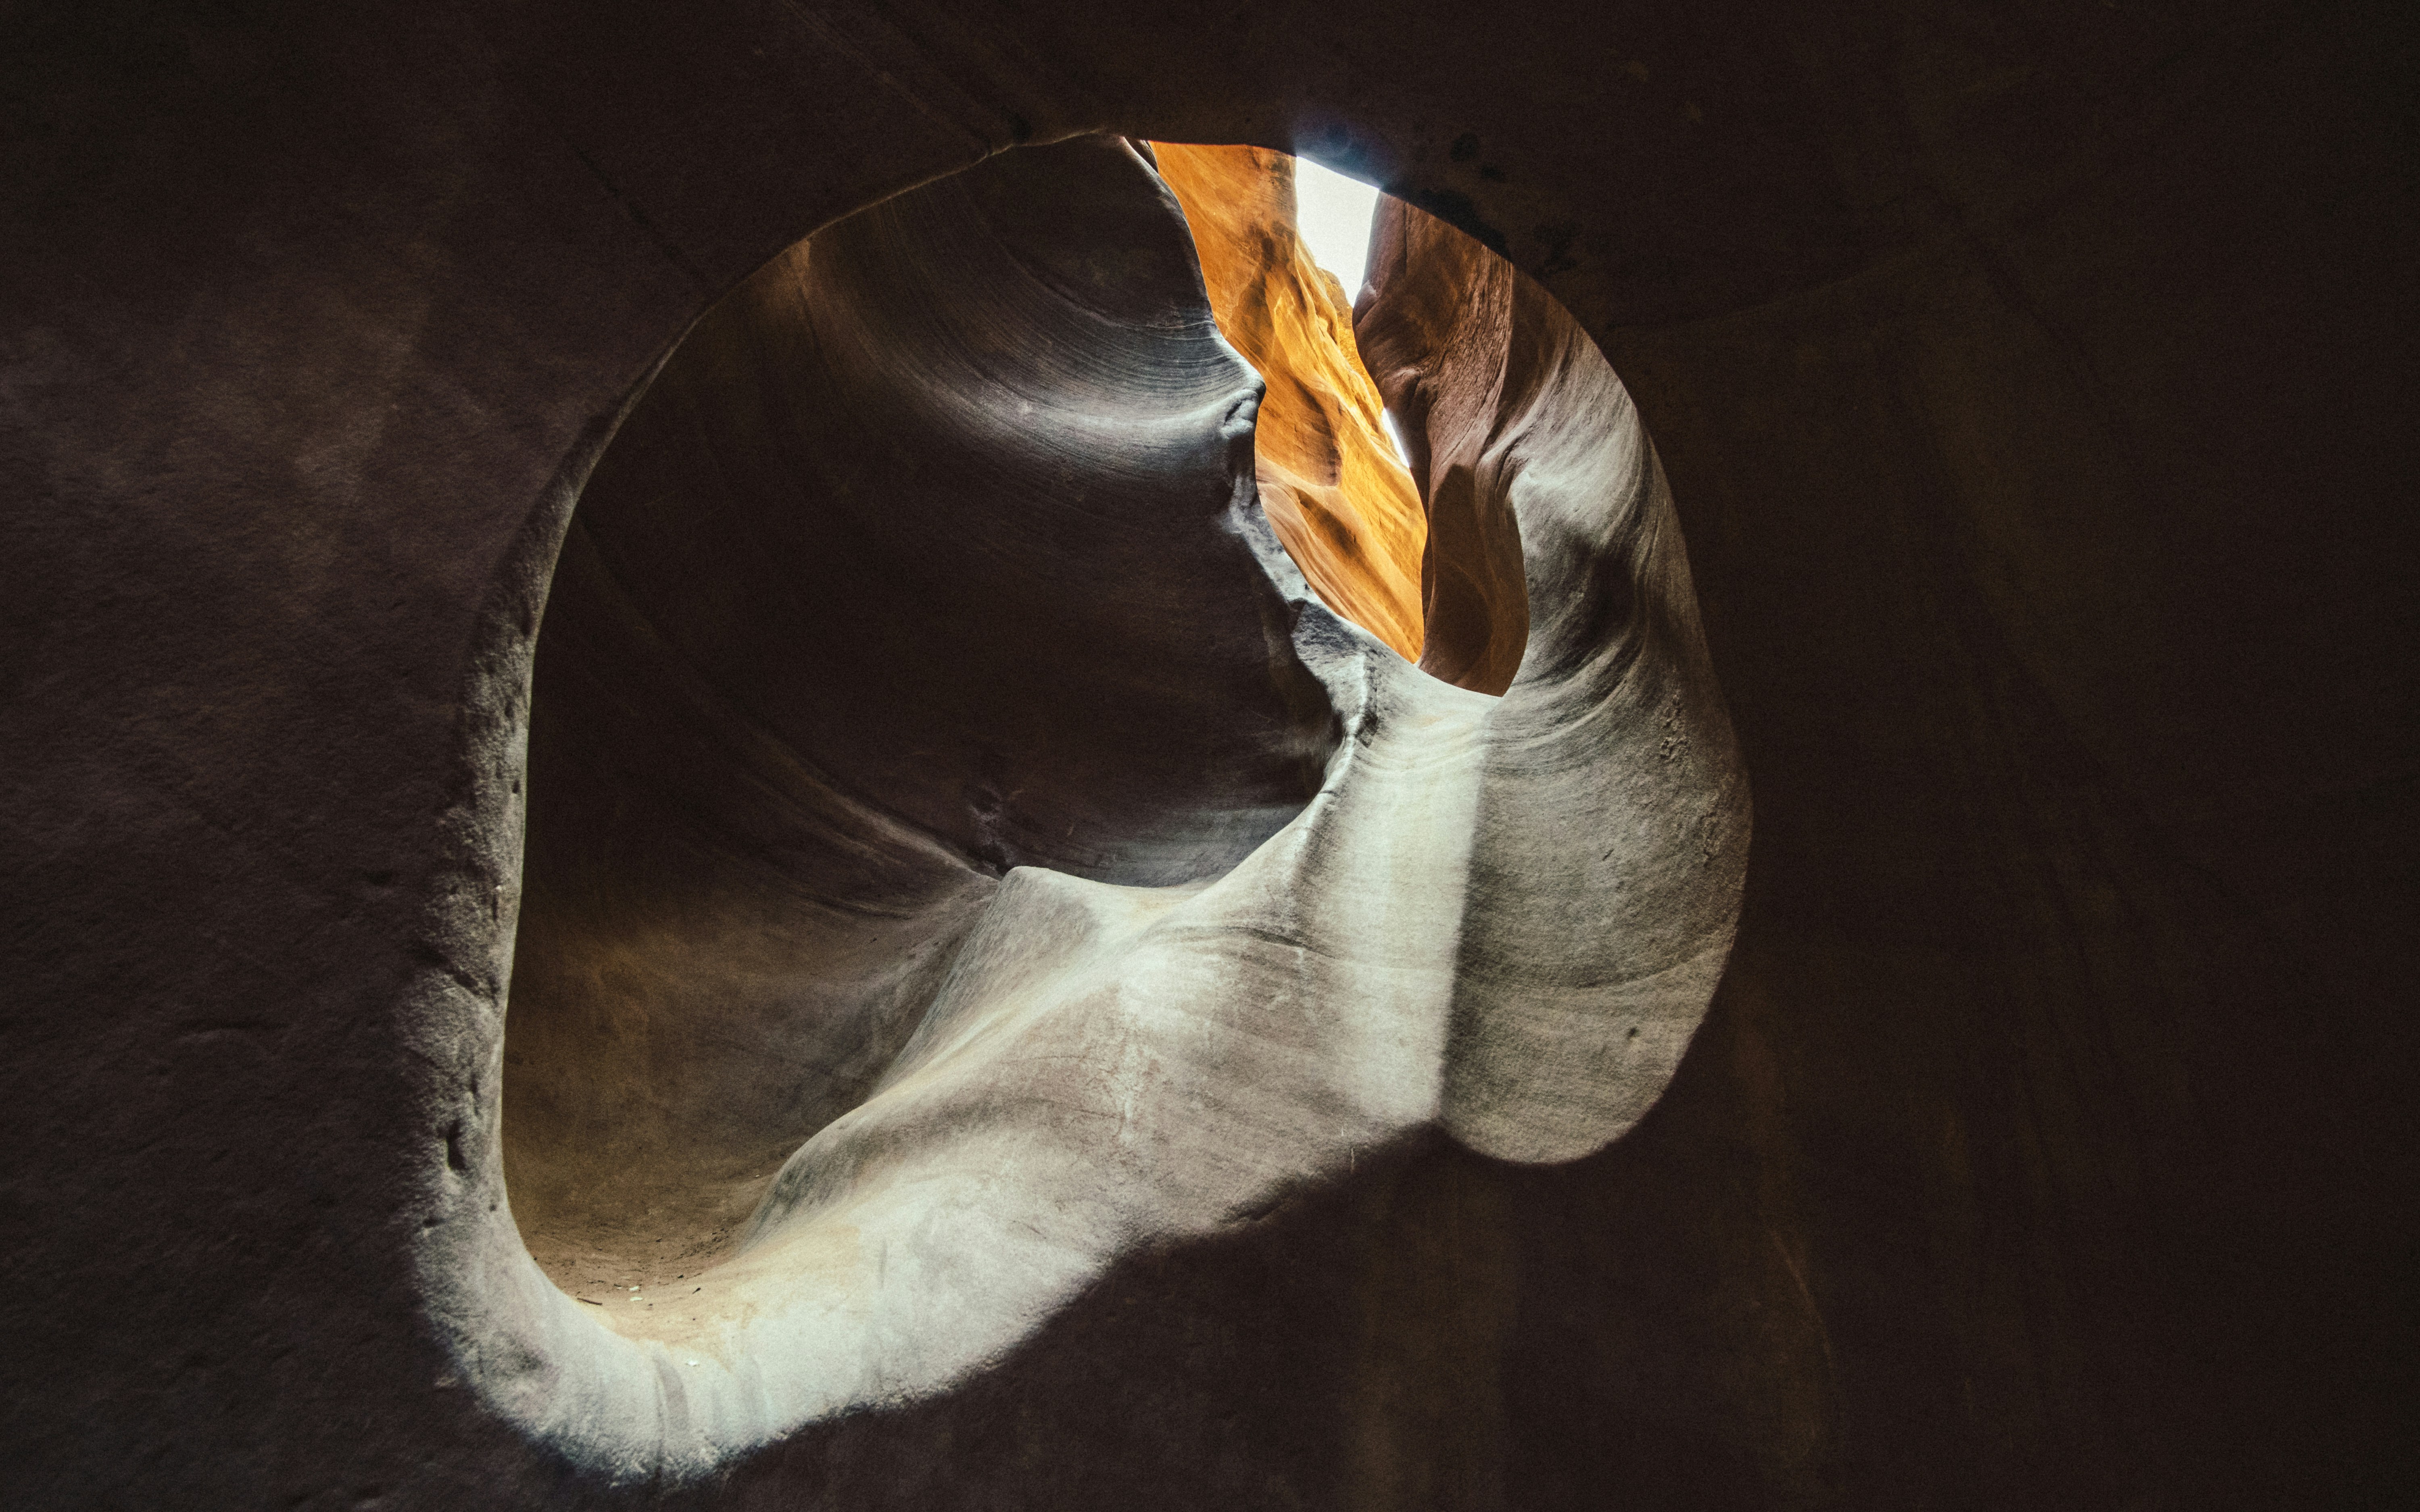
(1497, 917)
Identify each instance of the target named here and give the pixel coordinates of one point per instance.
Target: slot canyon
(757, 756)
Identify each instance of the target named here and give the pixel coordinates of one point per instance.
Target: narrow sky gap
(1333, 214)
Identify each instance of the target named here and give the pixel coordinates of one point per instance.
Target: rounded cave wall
(419, 435)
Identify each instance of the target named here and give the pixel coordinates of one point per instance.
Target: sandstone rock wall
(1330, 480)
(2032, 381)
(1438, 322)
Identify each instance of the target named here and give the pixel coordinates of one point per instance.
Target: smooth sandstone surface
(1343, 506)
(2032, 381)
(1611, 711)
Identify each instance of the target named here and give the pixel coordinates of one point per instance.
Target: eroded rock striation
(1345, 509)
(1469, 354)
(965, 852)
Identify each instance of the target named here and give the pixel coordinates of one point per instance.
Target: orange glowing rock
(1346, 508)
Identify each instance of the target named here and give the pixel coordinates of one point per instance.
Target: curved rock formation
(1460, 343)
(908, 569)
(1343, 506)
(1554, 574)
(920, 722)
(2033, 382)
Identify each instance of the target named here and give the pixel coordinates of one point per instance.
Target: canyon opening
(1022, 765)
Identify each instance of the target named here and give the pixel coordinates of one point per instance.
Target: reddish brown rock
(1459, 344)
